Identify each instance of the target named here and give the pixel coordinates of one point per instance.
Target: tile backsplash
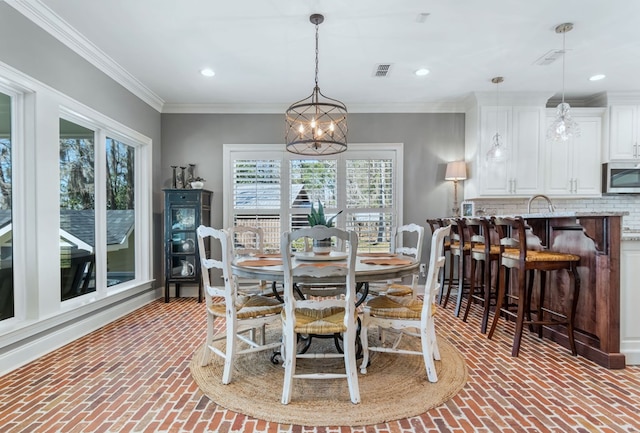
(614, 203)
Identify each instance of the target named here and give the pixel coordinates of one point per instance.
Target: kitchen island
(595, 237)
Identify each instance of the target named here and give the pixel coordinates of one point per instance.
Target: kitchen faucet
(551, 207)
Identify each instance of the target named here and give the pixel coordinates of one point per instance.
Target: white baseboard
(39, 345)
(631, 351)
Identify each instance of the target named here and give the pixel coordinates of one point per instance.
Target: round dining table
(370, 267)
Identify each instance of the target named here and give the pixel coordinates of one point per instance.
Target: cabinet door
(623, 143)
(495, 177)
(525, 155)
(629, 301)
(586, 168)
(573, 168)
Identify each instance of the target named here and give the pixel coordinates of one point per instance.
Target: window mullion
(101, 210)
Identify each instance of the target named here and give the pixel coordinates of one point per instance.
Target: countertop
(577, 214)
(630, 235)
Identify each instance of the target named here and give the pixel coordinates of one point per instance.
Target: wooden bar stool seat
(524, 261)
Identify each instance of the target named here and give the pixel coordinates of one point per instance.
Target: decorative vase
(322, 246)
(197, 184)
(174, 178)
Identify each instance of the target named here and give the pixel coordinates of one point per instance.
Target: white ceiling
(263, 50)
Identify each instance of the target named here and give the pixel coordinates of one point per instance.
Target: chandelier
(498, 151)
(316, 125)
(563, 126)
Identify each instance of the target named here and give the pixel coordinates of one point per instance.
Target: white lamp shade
(456, 170)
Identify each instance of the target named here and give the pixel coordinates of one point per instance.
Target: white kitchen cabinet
(573, 168)
(521, 130)
(629, 301)
(623, 137)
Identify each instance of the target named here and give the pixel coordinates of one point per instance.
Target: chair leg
(486, 306)
(443, 271)
(472, 287)
(230, 353)
(365, 342)
(461, 276)
(350, 364)
(540, 314)
(499, 299)
(574, 279)
(206, 355)
(427, 354)
(522, 300)
(289, 365)
(450, 285)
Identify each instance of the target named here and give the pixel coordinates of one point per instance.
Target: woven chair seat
(328, 320)
(395, 307)
(542, 256)
(248, 307)
(456, 247)
(399, 290)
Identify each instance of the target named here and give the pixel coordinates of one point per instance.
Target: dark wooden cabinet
(184, 211)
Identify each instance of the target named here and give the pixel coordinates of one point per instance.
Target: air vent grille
(549, 57)
(382, 70)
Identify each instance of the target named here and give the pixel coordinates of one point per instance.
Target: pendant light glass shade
(563, 126)
(316, 125)
(498, 151)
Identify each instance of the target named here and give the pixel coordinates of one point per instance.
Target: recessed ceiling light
(207, 72)
(597, 77)
(422, 72)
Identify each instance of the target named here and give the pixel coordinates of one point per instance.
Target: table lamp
(456, 170)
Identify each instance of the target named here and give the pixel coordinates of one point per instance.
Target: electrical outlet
(423, 269)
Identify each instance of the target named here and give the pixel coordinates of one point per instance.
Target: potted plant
(197, 183)
(317, 218)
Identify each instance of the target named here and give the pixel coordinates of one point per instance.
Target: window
(7, 307)
(364, 182)
(120, 212)
(99, 192)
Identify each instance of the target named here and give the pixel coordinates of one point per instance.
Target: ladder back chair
(240, 316)
(515, 255)
(320, 316)
(408, 316)
(406, 240)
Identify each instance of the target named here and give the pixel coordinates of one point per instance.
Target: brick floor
(133, 376)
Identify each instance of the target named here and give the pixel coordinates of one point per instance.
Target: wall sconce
(456, 171)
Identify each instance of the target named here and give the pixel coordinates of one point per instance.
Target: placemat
(259, 263)
(388, 261)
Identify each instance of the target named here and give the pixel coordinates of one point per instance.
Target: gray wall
(37, 54)
(430, 141)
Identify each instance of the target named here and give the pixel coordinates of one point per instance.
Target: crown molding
(46, 19)
(430, 107)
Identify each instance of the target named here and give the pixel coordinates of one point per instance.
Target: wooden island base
(595, 237)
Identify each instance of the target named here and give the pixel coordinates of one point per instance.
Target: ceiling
(262, 51)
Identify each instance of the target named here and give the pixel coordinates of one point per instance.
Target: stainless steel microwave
(621, 177)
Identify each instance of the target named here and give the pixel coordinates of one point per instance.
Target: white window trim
(277, 151)
(36, 209)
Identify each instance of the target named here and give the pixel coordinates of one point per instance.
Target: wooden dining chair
(405, 240)
(403, 315)
(249, 241)
(319, 316)
(241, 317)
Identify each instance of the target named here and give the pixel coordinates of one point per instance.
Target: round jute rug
(394, 387)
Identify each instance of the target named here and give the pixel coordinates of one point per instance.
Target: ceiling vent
(549, 57)
(382, 70)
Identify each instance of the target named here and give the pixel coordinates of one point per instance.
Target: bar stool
(460, 249)
(484, 253)
(523, 260)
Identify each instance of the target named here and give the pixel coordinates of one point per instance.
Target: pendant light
(316, 125)
(563, 126)
(498, 151)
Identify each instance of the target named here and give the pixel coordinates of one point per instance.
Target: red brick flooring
(133, 376)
